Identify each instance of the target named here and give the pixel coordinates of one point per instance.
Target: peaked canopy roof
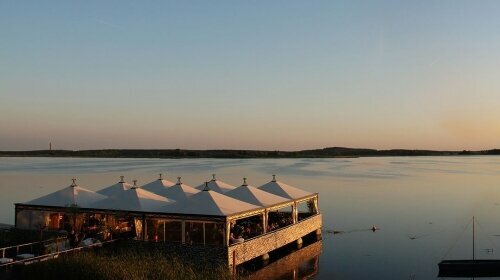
(180, 191)
(255, 196)
(217, 186)
(134, 199)
(209, 202)
(283, 190)
(72, 195)
(158, 186)
(116, 188)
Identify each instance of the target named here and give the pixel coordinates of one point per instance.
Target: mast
(473, 240)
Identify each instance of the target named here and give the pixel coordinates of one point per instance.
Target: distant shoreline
(334, 152)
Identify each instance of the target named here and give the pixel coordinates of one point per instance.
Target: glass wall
(306, 209)
(246, 228)
(152, 227)
(161, 230)
(194, 233)
(214, 234)
(206, 233)
(173, 231)
(279, 218)
(36, 219)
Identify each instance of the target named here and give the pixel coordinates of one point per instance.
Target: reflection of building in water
(301, 264)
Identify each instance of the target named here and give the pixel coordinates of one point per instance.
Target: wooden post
(234, 262)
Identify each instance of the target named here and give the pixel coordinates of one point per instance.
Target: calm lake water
(420, 204)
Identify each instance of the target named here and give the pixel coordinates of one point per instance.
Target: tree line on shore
(184, 153)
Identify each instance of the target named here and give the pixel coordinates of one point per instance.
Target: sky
(273, 75)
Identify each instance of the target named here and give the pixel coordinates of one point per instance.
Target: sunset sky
(277, 75)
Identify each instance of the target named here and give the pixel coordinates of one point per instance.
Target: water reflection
(301, 264)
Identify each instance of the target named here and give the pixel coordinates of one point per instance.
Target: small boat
(470, 268)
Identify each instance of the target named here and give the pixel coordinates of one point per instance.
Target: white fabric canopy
(255, 196)
(134, 199)
(72, 195)
(180, 192)
(217, 186)
(116, 188)
(209, 203)
(158, 186)
(283, 190)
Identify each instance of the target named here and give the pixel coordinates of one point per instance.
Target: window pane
(194, 233)
(173, 231)
(214, 233)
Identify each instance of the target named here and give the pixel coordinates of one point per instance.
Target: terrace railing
(53, 255)
(27, 247)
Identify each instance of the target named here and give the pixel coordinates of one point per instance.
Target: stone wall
(261, 245)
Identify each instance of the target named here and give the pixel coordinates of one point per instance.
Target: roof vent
(245, 182)
(206, 187)
(179, 181)
(122, 179)
(74, 182)
(274, 178)
(135, 185)
(213, 177)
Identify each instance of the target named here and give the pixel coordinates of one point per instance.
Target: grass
(122, 263)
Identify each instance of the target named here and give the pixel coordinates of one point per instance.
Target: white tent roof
(72, 195)
(284, 190)
(217, 186)
(255, 196)
(180, 191)
(209, 203)
(158, 186)
(134, 199)
(116, 188)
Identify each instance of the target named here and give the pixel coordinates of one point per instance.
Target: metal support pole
(144, 227)
(294, 212)
(473, 240)
(183, 232)
(228, 233)
(204, 241)
(264, 221)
